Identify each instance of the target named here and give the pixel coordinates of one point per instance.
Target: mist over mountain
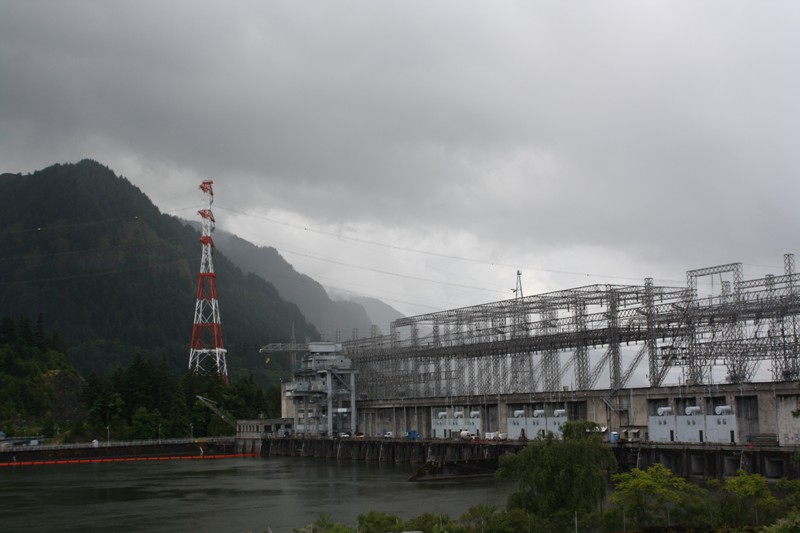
(381, 313)
(329, 315)
(89, 253)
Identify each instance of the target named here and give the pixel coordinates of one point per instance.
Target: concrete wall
(788, 424)
(259, 428)
(287, 407)
(758, 409)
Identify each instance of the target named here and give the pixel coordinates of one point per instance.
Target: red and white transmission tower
(208, 349)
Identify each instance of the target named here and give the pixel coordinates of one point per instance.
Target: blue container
(614, 437)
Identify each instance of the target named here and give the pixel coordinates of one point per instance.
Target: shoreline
(120, 451)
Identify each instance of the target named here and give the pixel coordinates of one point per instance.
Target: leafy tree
(577, 429)
(217, 427)
(515, 521)
(246, 399)
(558, 480)
(789, 490)
(430, 522)
(478, 517)
(41, 392)
(378, 522)
(655, 497)
(324, 524)
(788, 524)
(145, 424)
(747, 500)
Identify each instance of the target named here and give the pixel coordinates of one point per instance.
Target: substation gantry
(530, 344)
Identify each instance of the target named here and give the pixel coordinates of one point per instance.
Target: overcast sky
(423, 152)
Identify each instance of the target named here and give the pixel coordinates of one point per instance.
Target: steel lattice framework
(207, 352)
(529, 344)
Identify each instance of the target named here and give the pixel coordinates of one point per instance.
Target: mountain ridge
(88, 251)
(333, 317)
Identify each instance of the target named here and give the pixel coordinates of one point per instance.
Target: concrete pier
(698, 461)
(690, 460)
(386, 450)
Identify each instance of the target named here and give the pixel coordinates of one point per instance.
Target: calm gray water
(223, 495)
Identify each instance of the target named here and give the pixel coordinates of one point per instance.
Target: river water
(222, 495)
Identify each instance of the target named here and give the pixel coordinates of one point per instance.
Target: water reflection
(223, 495)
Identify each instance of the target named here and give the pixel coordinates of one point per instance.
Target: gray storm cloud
(664, 131)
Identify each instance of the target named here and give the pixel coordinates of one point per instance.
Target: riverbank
(150, 450)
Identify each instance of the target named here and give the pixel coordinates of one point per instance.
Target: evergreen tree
(178, 423)
(145, 424)
(39, 336)
(166, 386)
(8, 331)
(24, 332)
(124, 284)
(37, 383)
(141, 386)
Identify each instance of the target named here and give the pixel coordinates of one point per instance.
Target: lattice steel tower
(208, 349)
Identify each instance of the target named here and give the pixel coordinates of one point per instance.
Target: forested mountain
(35, 375)
(87, 251)
(42, 394)
(327, 315)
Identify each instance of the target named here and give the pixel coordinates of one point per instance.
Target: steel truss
(529, 344)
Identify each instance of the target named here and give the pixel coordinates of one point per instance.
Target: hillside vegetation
(328, 316)
(90, 253)
(42, 394)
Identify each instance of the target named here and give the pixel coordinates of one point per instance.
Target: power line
(96, 250)
(372, 294)
(309, 229)
(428, 252)
(379, 271)
(86, 251)
(94, 274)
(75, 225)
(383, 298)
(89, 223)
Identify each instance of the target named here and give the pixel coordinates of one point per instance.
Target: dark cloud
(661, 135)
